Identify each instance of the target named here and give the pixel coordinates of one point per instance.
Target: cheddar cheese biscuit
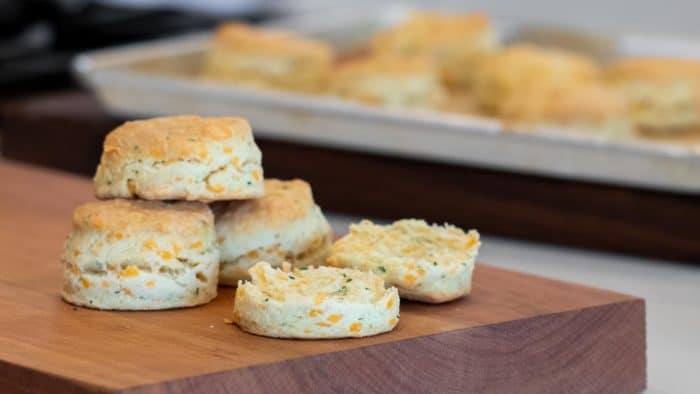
(284, 225)
(314, 303)
(664, 93)
(527, 85)
(453, 41)
(127, 254)
(270, 59)
(427, 263)
(181, 158)
(389, 80)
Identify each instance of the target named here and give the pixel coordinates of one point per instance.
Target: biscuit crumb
(228, 321)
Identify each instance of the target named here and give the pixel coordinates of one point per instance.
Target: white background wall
(669, 17)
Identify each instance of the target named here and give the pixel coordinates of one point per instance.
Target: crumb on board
(228, 321)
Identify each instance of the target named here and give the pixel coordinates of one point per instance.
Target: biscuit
(502, 77)
(388, 80)
(453, 41)
(140, 255)
(459, 101)
(427, 263)
(524, 84)
(284, 225)
(664, 93)
(314, 303)
(181, 158)
(269, 59)
(589, 107)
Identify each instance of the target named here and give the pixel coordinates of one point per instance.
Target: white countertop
(671, 290)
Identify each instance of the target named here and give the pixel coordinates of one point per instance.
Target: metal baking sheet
(160, 78)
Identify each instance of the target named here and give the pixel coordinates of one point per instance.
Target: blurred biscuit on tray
(389, 80)
(664, 94)
(453, 41)
(265, 58)
(533, 86)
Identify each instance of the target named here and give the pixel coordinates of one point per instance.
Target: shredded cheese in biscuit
(426, 262)
(414, 241)
(308, 302)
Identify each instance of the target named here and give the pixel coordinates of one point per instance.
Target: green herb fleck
(348, 280)
(303, 268)
(343, 274)
(343, 290)
(267, 299)
(381, 268)
(398, 316)
(291, 277)
(435, 263)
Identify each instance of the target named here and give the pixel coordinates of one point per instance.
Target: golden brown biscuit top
(243, 37)
(424, 30)
(284, 201)
(121, 216)
(654, 69)
(173, 138)
(383, 64)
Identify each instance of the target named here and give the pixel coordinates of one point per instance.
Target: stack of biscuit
(143, 247)
(150, 243)
(184, 208)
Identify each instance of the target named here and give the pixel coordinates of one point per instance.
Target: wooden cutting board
(515, 333)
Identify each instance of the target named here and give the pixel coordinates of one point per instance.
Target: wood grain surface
(583, 214)
(515, 333)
